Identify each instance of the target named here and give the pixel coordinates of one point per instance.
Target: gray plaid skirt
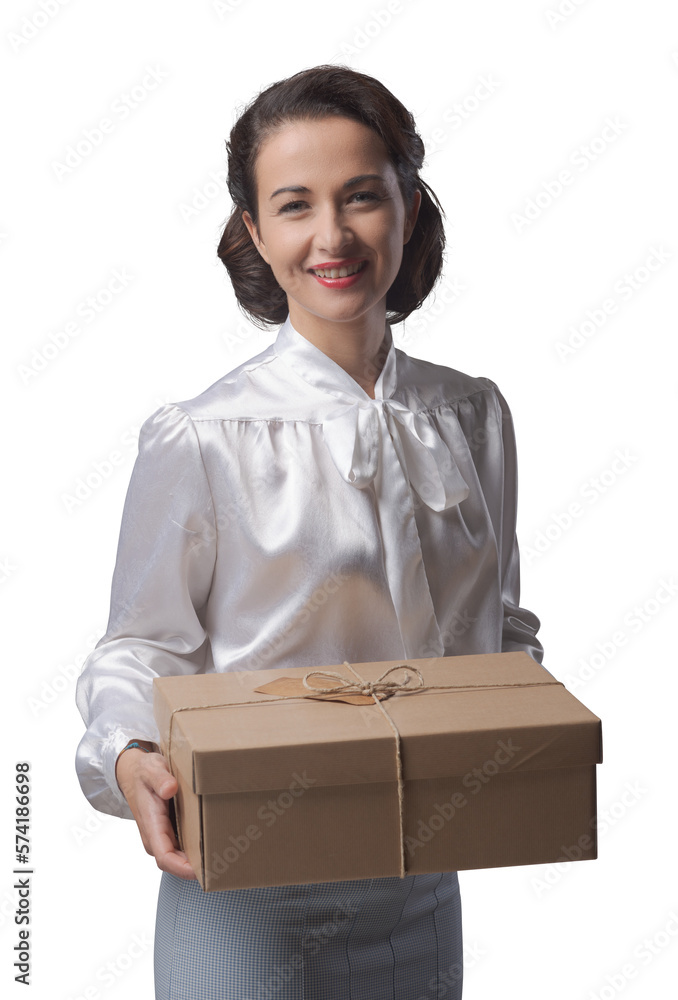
(368, 939)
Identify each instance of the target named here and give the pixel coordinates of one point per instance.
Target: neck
(358, 346)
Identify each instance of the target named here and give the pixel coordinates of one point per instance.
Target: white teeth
(338, 272)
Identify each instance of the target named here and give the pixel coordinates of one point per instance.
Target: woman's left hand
(148, 785)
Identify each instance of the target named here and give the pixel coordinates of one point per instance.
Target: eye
(368, 195)
(290, 206)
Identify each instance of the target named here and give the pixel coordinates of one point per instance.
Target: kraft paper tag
(293, 687)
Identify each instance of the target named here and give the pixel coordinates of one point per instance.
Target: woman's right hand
(148, 785)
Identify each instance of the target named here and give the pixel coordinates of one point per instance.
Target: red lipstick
(339, 283)
(339, 263)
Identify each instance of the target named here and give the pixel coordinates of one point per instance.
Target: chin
(345, 315)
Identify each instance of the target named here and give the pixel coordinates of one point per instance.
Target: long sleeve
(519, 625)
(161, 583)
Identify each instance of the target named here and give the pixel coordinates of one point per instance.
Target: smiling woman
(330, 499)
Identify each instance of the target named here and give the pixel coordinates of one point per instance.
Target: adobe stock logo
(558, 15)
(645, 952)
(268, 814)
(474, 780)
(623, 290)
(581, 158)
(364, 34)
(462, 110)
(591, 491)
(223, 7)
(93, 136)
(88, 310)
(32, 24)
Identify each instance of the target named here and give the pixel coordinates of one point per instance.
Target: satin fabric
(285, 518)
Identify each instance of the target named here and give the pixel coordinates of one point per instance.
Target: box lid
(221, 745)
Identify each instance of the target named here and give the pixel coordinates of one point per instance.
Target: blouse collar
(319, 370)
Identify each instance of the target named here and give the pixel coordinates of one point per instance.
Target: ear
(252, 229)
(411, 218)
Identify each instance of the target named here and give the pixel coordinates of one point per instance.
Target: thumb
(165, 785)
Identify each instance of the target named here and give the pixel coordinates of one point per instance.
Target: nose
(333, 234)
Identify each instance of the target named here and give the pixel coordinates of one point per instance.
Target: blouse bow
(353, 436)
(354, 430)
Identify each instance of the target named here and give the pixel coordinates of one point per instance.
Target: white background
(602, 583)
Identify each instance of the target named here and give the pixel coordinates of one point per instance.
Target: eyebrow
(300, 189)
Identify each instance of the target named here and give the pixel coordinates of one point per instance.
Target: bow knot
(353, 435)
(379, 688)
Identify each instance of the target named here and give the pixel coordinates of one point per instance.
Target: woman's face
(341, 206)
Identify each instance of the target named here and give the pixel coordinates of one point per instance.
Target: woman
(330, 499)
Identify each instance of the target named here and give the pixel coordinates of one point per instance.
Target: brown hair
(318, 93)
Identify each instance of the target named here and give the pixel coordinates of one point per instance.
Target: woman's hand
(148, 785)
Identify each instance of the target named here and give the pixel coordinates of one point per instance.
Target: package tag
(294, 687)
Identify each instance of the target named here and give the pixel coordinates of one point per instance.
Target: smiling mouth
(339, 272)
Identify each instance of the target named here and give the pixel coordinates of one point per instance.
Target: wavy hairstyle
(313, 94)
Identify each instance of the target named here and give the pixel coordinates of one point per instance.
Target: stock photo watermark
(94, 136)
(474, 781)
(561, 12)
(225, 7)
(623, 290)
(581, 159)
(268, 814)
(7, 568)
(90, 826)
(33, 24)
(601, 824)
(138, 947)
(203, 196)
(458, 623)
(61, 680)
(422, 323)
(273, 646)
(362, 35)
(634, 621)
(103, 468)
(462, 110)
(234, 339)
(644, 954)
(87, 310)
(312, 944)
(591, 492)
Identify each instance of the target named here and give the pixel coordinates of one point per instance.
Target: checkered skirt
(366, 939)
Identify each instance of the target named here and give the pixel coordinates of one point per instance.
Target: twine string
(362, 686)
(374, 688)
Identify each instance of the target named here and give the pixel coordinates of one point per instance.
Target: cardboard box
(498, 769)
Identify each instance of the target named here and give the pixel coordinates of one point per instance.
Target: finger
(167, 786)
(160, 832)
(169, 857)
(160, 778)
(176, 863)
(151, 813)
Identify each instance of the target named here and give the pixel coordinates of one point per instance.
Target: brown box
(498, 769)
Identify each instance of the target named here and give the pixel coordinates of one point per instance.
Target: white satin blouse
(285, 518)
